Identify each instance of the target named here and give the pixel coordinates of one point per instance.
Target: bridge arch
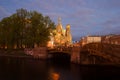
(91, 56)
(60, 57)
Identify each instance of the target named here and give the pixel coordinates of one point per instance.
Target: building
(60, 36)
(90, 39)
(76, 44)
(111, 39)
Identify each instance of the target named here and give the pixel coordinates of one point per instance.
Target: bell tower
(59, 20)
(68, 35)
(59, 26)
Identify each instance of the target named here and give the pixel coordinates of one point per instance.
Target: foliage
(24, 29)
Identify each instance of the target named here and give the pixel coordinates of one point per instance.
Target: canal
(12, 68)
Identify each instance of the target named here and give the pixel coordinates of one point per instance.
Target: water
(32, 69)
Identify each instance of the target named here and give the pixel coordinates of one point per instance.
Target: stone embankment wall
(39, 52)
(75, 55)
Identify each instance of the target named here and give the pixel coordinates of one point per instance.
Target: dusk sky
(86, 17)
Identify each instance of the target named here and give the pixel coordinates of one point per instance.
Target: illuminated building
(90, 39)
(111, 39)
(60, 36)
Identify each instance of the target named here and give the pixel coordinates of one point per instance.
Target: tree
(25, 28)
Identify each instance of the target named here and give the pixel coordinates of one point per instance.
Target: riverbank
(13, 53)
(19, 53)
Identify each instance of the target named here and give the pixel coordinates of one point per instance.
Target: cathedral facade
(61, 36)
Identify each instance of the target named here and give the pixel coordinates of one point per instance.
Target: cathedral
(60, 36)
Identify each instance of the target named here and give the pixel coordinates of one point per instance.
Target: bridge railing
(61, 49)
(101, 54)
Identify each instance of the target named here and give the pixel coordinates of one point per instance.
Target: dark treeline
(25, 29)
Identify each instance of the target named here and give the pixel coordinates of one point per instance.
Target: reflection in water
(55, 76)
(30, 69)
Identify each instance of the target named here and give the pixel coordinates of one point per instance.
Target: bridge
(91, 56)
(76, 54)
(60, 49)
(99, 53)
(72, 52)
(45, 53)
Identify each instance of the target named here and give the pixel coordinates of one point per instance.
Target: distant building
(90, 39)
(111, 39)
(76, 43)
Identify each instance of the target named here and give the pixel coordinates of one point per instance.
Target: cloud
(112, 30)
(110, 26)
(105, 4)
(55, 14)
(112, 4)
(82, 12)
(113, 21)
(3, 12)
(84, 16)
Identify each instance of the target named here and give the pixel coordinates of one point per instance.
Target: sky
(86, 17)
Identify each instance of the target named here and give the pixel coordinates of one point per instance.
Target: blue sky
(86, 17)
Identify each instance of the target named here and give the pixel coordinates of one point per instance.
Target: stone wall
(75, 55)
(40, 52)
